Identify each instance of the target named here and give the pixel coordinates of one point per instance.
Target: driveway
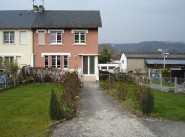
(100, 117)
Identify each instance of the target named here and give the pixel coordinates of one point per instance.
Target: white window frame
(56, 31)
(9, 37)
(79, 33)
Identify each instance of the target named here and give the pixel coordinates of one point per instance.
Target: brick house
(67, 40)
(60, 39)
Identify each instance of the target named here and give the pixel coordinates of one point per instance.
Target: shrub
(126, 78)
(122, 91)
(54, 108)
(138, 93)
(70, 84)
(146, 103)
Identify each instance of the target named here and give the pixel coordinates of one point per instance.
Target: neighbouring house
(52, 38)
(143, 61)
(16, 37)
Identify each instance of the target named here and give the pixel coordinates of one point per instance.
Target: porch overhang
(167, 61)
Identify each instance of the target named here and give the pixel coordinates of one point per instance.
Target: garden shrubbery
(142, 96)
(70, 88)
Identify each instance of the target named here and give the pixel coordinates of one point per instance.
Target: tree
(14, 69)
(54, 108)
(105, 55)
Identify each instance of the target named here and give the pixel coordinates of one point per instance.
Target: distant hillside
(148, 46)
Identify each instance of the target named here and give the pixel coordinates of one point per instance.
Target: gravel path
(100, 117)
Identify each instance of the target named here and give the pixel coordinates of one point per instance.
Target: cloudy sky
(123, 21)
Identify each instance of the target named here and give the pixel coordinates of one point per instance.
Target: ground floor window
(57, 61)
(46, 61)
(65, 62)
(88, 65)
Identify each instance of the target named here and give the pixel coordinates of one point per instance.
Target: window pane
(92, 65)
(85, 64)
(53, 37)
(58, 61)
(59, 37)
(82, 38)
(77, 38)
(22, 36)
(41, 38)
(46, 61)
(65, 61)
(53, 61)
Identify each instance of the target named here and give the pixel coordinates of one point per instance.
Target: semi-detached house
(58, 39)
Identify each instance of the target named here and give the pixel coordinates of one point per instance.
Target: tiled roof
(154, 55)
(68, 19)
(49, 19)
(16, 19)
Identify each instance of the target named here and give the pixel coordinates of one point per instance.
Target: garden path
(100, 117)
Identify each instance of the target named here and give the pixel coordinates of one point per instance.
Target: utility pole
(165, 54)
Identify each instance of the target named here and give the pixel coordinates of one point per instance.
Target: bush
(54, 108)
(70, 84)
(122, 91)
(138, 93)
(126, 78)
(146, 103)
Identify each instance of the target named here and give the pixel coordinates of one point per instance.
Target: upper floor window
(80, 36)
(55, 36)
(22, 37)
(9, 37)
(41, 37)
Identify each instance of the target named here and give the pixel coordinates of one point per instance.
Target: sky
(123, 21)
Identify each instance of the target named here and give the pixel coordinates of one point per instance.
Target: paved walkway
(100, 117)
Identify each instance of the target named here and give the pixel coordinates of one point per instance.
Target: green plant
(165, 73)
(122, 91)
(14, 69)
(54, 108)
(146, 103)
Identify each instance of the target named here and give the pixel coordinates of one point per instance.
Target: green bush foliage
(146, 103)
(54, 108)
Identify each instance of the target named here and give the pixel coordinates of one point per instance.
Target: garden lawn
(169, 105)
(24, 110)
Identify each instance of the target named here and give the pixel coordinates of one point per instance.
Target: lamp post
(165, 54)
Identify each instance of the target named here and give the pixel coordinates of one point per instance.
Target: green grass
(167, 105)
(24, 110)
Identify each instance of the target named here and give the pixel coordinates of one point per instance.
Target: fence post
(175, 84)
(5, 81)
